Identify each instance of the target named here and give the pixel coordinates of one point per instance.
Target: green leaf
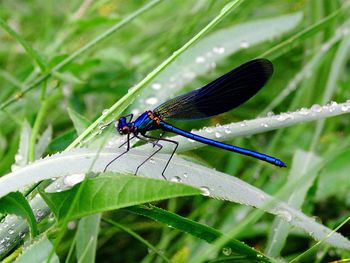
(80, 122)
(198, 230)
(112, 192)
(87, 233)
(16, 203)
(38, 252)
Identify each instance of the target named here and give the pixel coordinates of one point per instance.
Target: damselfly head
(124, 127)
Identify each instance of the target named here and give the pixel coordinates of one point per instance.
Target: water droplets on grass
(243, 124)
(205, 190)
(218, 134)
(200, 60)
(286, 215)
(304, 111)
(10, 231)
(152, 101)
(219, 50)
(227, 130)
(227, 251)
(71, 180)
(105, 111)
(344, 107)
(316, 108)
(244, 44)
(176, 179)
(156, 86)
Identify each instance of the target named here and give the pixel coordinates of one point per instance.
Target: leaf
(87, 234)
(213, 183)
(16, 203)
(80, 122)
(108, 192)
(198, 230)
(22, 155)
(334, 178)
(304, 163)
(38, 252)
(213, 48)
(43, 142)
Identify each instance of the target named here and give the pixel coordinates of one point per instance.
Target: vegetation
(69, 68)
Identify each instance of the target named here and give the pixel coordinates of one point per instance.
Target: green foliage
(67, 68)
(106, 193)
(16, 203)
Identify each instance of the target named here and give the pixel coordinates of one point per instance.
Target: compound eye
(125, 130)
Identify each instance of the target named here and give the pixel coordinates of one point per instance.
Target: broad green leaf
(198, 230)
(87, 233)
(108, 192)
(38, 252)
(16, 203)
(80, 123)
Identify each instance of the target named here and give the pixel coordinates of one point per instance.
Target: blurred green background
(311, 69)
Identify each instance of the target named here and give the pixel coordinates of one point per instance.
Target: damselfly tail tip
(281, 164)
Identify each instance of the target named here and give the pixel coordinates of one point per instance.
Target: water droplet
(200, 60)
(156, 86)
(105, 111)
(227, 251)
(270, 114)
(243, 123)
(205, 190)
(18, 158)
(316, 108)
(185, 175)
(244, 44)
(22, 235)
(71, 225)
(152, 160)
(176, 179)
(152, 101)
(303, 111)
(344, 107)
(218, 50)
(190, 140)
(227, 131)
(39, 213)
(286, 215)
(10, 231)
(73, 179)
(284, 116)
(217, 134)
(264, 124)
(189, 75)
(209, 130)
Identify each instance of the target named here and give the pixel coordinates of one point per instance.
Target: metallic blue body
(232, 148)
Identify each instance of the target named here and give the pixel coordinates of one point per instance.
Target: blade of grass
(28, 48)
(291, 42)
(198, 230)
(80, 51)
(118, 107)
(138, 237)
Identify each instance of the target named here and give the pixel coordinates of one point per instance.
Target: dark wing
(221, 95)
